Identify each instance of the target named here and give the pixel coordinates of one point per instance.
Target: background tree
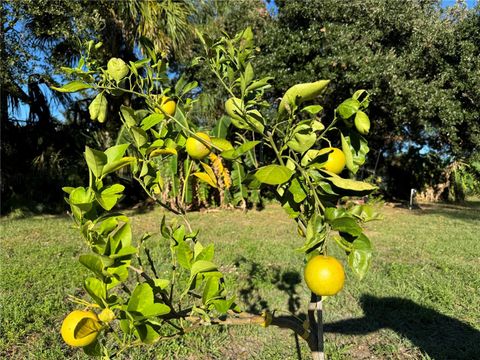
(38, 37)
(419, 61)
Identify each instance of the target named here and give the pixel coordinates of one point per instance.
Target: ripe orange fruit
(197, 149)
(80, 328)
(336, 160)
(167, 106)
(324, 275)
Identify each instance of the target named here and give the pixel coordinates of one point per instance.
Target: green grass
(420, 300)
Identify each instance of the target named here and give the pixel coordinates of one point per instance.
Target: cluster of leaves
(418, 59)
(153, 137)
(305, 189)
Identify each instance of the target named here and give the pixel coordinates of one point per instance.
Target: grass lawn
(421, 299)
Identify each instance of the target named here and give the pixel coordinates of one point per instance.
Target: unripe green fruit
(301, 92)
(362, 122)
(117, 69)
(234, 108)
(196, 149)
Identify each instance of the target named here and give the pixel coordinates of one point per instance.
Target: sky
(23, 111)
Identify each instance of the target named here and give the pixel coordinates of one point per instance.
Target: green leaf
(117, 275)
(348, 108)
(365, 213)
(141, 63)
(107, 225)
(142, 302)
(123, 236)
(316, 233)
(163, 284)
(273, 174)
(222, 306)
(96, 160)
(128, 115)
(184, 255)
(314, 158)
(116, 152)
(98, 108)
(249, 74)
(313, 109)
(221, 127)
(96, 263)
(108, 196)
(332, 213)
(302, 139)
(73, 86)
(315, 226)
(141, 297)
(347, 225)
(349, 184)
(211, 288)
(317, 126)
(206, 253)
(358, 149)
(165, 151)
(152, 120)
(146, 333)
(299, 93)
(116, 165)
(358, 94)
(260, 84)
(179, 234)
(242, 149)
(202, 266)
(326, 188)
(124, 252)
(297, 191)
(82, 198)
(68, 189)
(140, 136)
(254, 122)
(348, 155)
(96, 289)
(360, 258)
(189, 87)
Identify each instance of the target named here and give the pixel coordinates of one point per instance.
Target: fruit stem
(185, 182)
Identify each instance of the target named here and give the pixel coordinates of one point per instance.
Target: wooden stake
(316, 327)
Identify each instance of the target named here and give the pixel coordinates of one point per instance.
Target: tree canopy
(419, 61)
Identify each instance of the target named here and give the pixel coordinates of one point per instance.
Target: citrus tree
(143, 290)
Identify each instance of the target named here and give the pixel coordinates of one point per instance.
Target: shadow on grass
(439, 336)
(286, 281)
(254, 276)
(458, 212)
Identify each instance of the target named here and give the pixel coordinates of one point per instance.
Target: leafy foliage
(419, 62)
(153, 148)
